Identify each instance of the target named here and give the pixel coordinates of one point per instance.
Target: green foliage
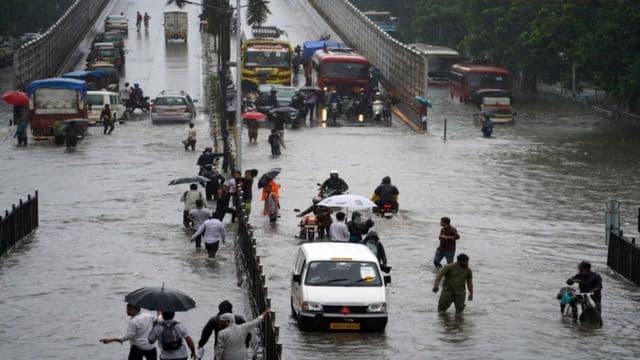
(543, 39)
(20, 16)
(257, 12)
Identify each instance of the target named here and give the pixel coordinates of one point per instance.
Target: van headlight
(380, 307)
(311, 306)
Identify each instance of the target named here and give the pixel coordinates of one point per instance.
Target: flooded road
(528, 203)
(109, 222)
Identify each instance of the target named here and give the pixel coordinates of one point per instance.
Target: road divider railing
(623, 256)
(16, 224)
(404, 70)
(45, 56)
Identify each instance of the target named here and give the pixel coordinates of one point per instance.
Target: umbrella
(159, 298)
(283, 109)
(424, 101)
(189, 180)
(349, 201)
(268, 176)
(254, 115)
(17, 98)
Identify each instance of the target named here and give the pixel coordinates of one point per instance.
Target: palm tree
(257, 12)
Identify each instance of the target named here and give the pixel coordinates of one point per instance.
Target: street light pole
(238, 87)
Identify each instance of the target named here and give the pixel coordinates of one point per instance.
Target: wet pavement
(528, 203)
(109, 222)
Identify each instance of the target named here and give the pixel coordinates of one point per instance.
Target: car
(173, 106)
(27, 37)
(106, 53)
(338, 286)
(110, 37)
(116, 23)
(96, 100)
(283, 93)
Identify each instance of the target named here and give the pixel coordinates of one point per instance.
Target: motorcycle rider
(297, 102)
(207, 158)
(334, 185)
(137, 97)
(333, 98)
(386, 193)
(363, 102)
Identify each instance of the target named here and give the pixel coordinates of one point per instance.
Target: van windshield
(342, 273)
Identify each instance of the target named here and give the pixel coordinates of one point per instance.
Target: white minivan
(97, 99)
(338, 286)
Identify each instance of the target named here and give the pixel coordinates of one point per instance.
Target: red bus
(340, 69)
(465, 79)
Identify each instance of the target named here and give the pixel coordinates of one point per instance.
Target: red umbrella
(16, 98)
(253, 115)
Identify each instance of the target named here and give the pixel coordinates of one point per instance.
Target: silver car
(116, 23)
(173, 106)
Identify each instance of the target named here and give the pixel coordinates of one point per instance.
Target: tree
(257, 12)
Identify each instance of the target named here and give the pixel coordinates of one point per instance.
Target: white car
(95, 104)
(338, 286)
(173, 106)
(116, 23)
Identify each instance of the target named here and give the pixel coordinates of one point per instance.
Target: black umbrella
(189, 180)
(160, 298)
(268, 176)
(283, 109)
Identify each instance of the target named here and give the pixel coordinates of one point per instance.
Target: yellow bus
(266, 58)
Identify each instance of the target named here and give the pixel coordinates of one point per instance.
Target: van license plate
(344, 326)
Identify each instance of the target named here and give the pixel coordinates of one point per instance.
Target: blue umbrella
(424, 102)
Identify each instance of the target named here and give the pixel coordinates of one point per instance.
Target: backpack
(170, 338)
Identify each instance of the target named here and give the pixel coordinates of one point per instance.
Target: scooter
(377, 110)
(136, 103)
(570, 300)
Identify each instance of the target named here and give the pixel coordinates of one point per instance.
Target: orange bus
(465, 79)
(340, 69)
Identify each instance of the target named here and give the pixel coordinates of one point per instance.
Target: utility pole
(238, 87)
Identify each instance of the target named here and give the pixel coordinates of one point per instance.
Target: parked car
(110, 37)
(95, 104)
(116, 23)
(27, 37)
(338, 286)
(106, 54)
(173, 106)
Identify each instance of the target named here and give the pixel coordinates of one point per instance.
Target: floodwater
(528, 203)
(109, 222)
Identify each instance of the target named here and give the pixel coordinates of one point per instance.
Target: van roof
(320, 251)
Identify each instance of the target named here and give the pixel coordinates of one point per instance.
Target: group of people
(142, 18)
(232, 335)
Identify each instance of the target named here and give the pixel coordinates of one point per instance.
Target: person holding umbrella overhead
(268, 178)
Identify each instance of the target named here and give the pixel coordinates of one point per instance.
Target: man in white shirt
(198, 216)
(212, 231)
(138, 330)
(338, 231)
(190, 141)
(189, 198)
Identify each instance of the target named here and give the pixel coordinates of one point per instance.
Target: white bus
(440, 59)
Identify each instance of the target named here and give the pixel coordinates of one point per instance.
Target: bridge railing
(18, 223)
(623, 256)
(44, 57)
(404, 69)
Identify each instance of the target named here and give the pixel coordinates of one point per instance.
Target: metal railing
(45, 56)
(624, 256)
(18, 223)
(245, 245)
(404, 69)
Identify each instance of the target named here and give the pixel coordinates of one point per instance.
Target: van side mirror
(387, 279)
(296, 278)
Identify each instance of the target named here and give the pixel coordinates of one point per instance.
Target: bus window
(345, 70)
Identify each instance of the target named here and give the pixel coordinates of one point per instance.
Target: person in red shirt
(448, 237)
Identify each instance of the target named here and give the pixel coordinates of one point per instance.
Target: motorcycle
(136, 103)
(309, 227)
(571, 300)
(386, 210)
(377, 110)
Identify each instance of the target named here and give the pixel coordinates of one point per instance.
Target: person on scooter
(386, 193)
(334, 98)
(334, 185)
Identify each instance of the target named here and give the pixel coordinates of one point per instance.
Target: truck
(176, 25)
(53, 100)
